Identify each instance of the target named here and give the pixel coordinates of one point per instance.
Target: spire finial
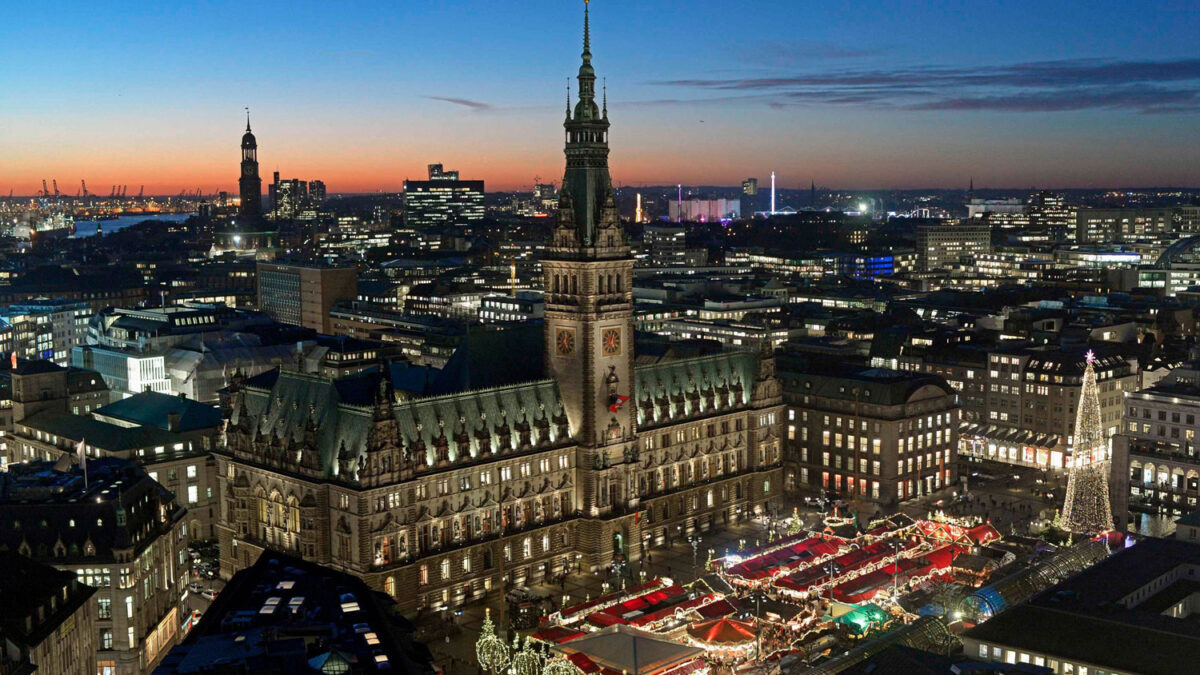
(568, 97)
(605, 108)
(587, 33)
(247, 119)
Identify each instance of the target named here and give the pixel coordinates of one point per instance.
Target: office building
(943, 245)
(704, 210)
(520, 475)
(302, 294)
(47, 619)
(119, 532)
(1110, 226)
(1031, 402)
(750, 200)
(444, 199)
(876, 435)
(664, 244)
(125, 372)
(504, 308)
(44, 328)
(288, 197)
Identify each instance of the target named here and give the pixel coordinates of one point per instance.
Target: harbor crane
(83, 185)
(55, 181)
(45, 190)
(140, 191)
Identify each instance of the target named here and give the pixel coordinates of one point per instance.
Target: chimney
(172, 421)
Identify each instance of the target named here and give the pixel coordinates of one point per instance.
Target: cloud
(464, 102)
(790, 54)
(1043, 86)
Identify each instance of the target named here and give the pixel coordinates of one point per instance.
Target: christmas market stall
(621, 649)
(725, 640)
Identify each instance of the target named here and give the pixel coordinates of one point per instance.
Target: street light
(694, 540)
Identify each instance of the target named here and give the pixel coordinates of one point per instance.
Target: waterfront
(87, 228)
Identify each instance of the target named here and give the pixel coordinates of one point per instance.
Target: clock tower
(250, 183)
(588, 275)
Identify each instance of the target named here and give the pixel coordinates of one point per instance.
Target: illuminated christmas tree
(1087, 509)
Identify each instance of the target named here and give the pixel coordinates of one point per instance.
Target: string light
(528, 661)
(490, 649)
(1087, 509)
(561, 665)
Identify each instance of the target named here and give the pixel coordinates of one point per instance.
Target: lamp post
(694, 540)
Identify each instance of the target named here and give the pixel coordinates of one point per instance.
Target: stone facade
(438, 500)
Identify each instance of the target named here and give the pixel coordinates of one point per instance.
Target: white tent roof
(630, 650)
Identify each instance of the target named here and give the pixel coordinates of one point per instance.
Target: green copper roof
(670, 391)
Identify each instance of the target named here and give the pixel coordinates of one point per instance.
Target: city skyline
(865, 101)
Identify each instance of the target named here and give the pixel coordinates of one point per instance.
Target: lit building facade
(438, 500)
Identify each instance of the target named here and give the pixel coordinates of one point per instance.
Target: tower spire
(247, 118)
(604, 110)
(587, 34)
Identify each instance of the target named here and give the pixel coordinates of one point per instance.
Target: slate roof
(684, 376)
(26, 585)
(342, 411)
(152, 408)
(104, 435)
(40, 507)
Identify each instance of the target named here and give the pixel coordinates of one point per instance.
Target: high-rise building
(947, 244)
(302, 294)
(750, 200)
(516, 476)
(288, 197)
(316, 193)
(48, 618)
(250, 184)
(443, 199)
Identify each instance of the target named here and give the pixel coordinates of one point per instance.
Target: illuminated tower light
(772, 193)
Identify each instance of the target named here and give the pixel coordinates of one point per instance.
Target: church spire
(587, 34)
(247, 119)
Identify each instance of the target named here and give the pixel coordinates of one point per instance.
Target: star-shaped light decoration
(1090, 356)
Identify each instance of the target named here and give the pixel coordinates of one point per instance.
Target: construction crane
(45, 190)
(83, 185)
(55, 181)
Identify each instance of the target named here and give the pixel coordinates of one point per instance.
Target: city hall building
(437, 499)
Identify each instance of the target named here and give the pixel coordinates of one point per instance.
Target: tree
(1087, 509)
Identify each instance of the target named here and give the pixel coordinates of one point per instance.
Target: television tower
(772, 193)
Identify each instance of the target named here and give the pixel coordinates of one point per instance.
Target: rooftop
(286, 615)
(151, 408)
(1095, 618)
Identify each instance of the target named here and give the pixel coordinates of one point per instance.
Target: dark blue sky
(850, 94)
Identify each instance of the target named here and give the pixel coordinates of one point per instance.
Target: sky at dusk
(363, 95)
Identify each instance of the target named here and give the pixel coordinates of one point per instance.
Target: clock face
(247, 170)
(564, 342)
(611, 341)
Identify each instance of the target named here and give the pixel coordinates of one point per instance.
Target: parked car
(210, 594)
(195, 587)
